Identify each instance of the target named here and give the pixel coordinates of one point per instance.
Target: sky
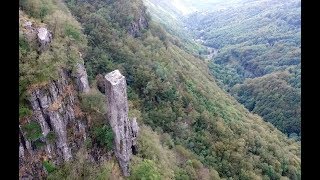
(181, 6)
(189, 6)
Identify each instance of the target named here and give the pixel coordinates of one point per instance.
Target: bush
(37, 8)
(88, 143)
(73, 32)
(24, 112)
(51, 137)
(181, 174)
(38, 143)
(147, 170)
(49, 166)
(33, 131)
(93, 102)
(78, 168)
(104, 136)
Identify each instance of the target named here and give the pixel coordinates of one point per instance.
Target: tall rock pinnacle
(116, 92)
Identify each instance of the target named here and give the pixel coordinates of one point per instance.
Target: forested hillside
(256, 38)
(190, 128)
(250, 39)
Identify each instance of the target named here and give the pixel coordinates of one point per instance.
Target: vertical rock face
(56, 128)
(140, 23)
(54, 109)
(82, 78)
(116, 92)
(135, 131)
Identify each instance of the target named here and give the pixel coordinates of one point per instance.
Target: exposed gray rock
(135, 132)
(135, 127)
(136, 27)
(24, 143)
(45, 103)
(21, 151)
(116, 92)
(82, 78)
(27, 24)
(44, 38)
(59, 127)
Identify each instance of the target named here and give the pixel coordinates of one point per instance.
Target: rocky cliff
(56, 128)
(137, 26)
(62, 131)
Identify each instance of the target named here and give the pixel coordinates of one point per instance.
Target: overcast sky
(189, 6)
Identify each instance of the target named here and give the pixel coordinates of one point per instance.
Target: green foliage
(167, 140)
(32, 131)
(24, 46)
(274, 99)
(24, 111)
(226, 77)
(255, 40)
(182, 174)
(104, 136)
(88, 143)
(40, 66)
(174, 93)
(51, 137)
(93, 102)
(72, 32)
(81, 168)
(37, 8)
(146, 170)
(39, 144)
(49, 166)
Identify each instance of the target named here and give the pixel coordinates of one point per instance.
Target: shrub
(181, 174)
(38, 143)
(93, 102)
(33, 131)
(73, 32)
(88, 143)
(37, 8)
(24, 111)
(49, 166)
(51, 137)
(104, 136)
(147, 170)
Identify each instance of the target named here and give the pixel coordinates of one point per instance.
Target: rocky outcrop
(139, 24)
(35, 33)
(57, 128)
(54, 107)
(135, 132)
(82, 78)
(44, 38)
(28, 24)
(124, 134)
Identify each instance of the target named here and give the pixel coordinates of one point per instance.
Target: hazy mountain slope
(165, 13)
(255, 39)
(250, 39)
